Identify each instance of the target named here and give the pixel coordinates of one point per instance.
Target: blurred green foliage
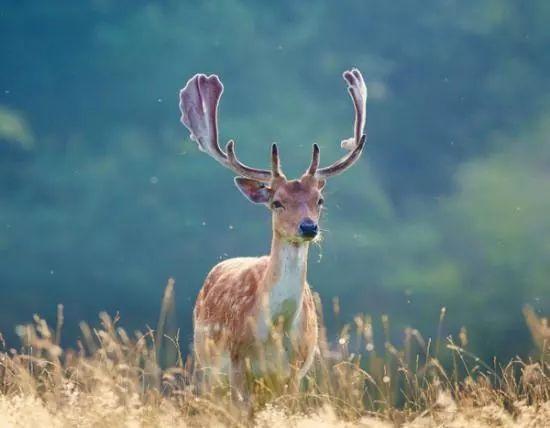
(103, 196)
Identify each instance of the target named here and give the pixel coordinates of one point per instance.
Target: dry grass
(112, 379)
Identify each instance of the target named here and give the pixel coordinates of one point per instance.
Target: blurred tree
(103, 197)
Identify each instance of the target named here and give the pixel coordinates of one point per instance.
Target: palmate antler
(355, 145)
(199, 101)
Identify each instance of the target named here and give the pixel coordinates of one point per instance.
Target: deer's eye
(276, 205)
(320, 202)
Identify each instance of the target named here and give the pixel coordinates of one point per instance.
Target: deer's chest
(281, 304)
(285, 299)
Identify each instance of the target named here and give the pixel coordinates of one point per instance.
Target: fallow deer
(244, 298)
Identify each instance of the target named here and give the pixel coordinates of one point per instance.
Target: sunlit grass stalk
(112, 376)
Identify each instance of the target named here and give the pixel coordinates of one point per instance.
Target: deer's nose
(308, 228)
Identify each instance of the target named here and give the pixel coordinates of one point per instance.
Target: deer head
(296, 204)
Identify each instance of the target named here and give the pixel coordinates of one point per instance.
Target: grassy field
(112, 378)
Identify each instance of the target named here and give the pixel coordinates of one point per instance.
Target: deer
(244, 299)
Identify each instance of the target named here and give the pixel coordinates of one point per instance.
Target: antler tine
(358, 92)
(275, 161)
(237, 166)
(314, 161)
(199, 101)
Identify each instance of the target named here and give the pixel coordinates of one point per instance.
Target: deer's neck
(286, 279)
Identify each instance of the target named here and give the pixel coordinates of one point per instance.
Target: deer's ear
(254, 190)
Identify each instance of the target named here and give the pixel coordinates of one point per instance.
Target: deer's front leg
(304, 340)
(237, 380)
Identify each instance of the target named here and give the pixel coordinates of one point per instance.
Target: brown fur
(234, 293)
(231, 299)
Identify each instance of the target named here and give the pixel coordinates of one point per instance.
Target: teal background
(103, 197)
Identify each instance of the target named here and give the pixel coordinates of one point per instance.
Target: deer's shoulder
(230, 290)
(239, 271)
